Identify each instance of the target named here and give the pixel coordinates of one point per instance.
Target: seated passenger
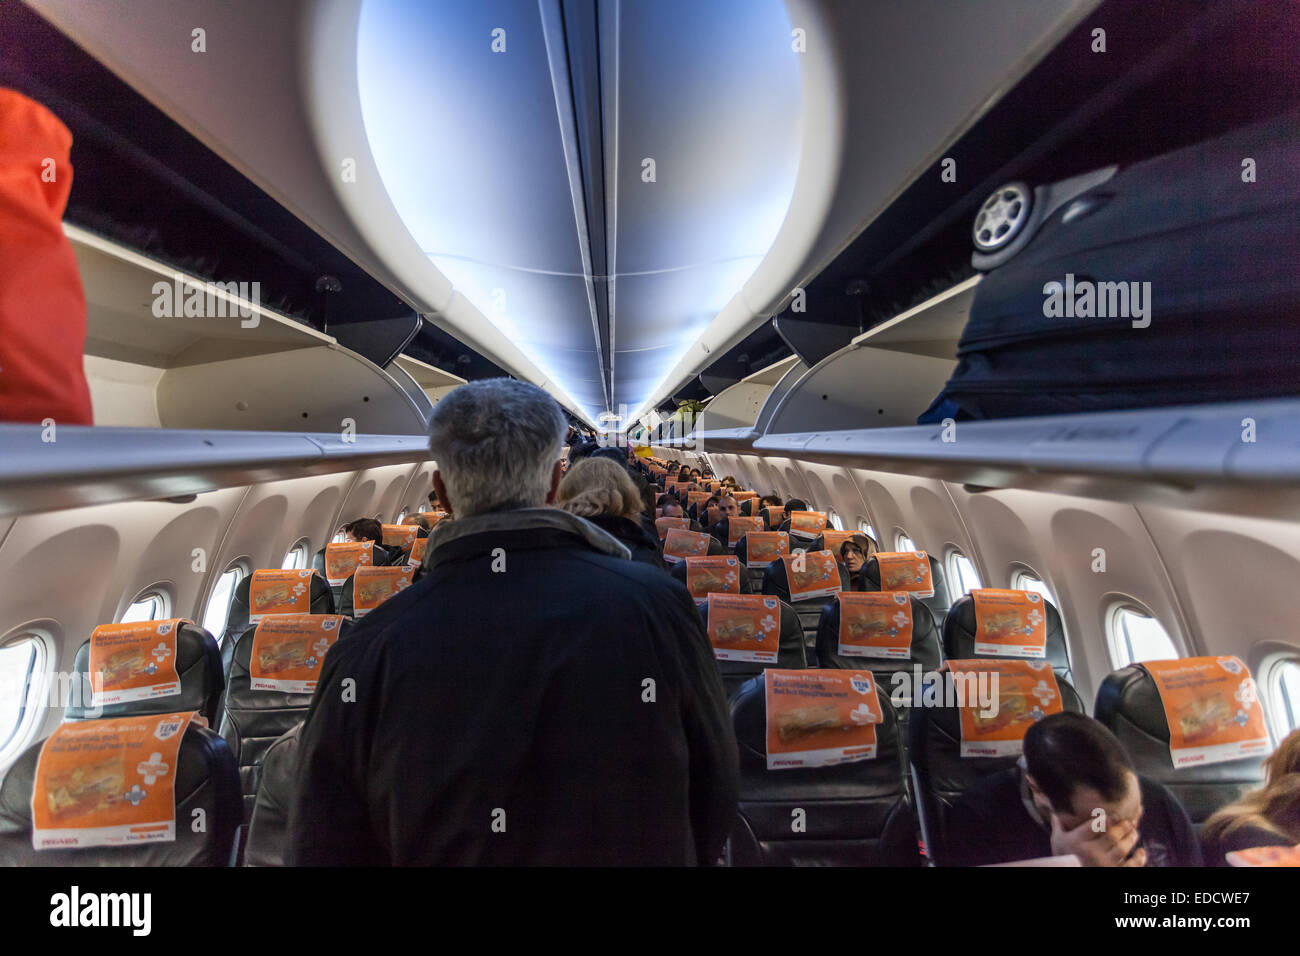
(600, 491)
(496, 711)
(853, 555)
(419, 520)
(768, 501)
(793, 505)
(671, 509)
(1073, 792)
(1269, 816)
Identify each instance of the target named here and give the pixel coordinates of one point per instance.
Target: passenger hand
(1111, 847)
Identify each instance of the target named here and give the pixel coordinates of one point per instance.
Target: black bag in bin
(1222, 258)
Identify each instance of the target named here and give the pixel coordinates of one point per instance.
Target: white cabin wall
(66, 572)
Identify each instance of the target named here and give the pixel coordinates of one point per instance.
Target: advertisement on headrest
(905, 571)
(739, 526)
(344, 557)
(775, 516)
(764, 547)
(681, 544)
(1213, 709)
(719, 574)
(695, 497)
(400, 536)
(288, 651)
(433, 517)
(745, 627)
(807, 524)
(812, 575)
(664, 525)
(134, 661)
(371, 587)
(278, 592)
(820, 718)
(416, 557)
(107, 783)
(1009, 623)
(999, 701)
(744, 495)
(832, 539)
(875, 624)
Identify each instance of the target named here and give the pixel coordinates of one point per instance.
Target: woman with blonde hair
(1269, 816)
(601, 491)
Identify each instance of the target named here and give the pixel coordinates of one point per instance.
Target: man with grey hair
(534, 698)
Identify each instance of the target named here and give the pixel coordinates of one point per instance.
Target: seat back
(679, 544)
(206, 801)
(323, 601)
(926, 650)
(197, 662)
(938, 604)
(379, 558)
(1130, 705)
(729, 531)
(776, 581)
(938, 770)
(268, 829)
(847, 814)
(376, 585)
(768, 547)
(700, 590)
(960, 633)
(252, 718)
(790, 645)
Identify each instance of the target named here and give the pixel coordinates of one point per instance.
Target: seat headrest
(765, 553)
(1130, 704)
(938, 604)
(926, 647)
(322, 602)
(681, 569)
(379, 584)
(239, 693)
(205, 779)
(960, 633)
(381, 558)
(749, 718)
(197, 662)
(776, 581)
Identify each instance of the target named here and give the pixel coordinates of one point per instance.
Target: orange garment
(42, 306)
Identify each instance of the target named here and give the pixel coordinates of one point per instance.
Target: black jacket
(564, 708)
(632, 536)
(990, 824)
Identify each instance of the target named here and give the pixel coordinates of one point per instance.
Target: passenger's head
(1274, 806)
(795, 504)
(434, 503)
(497, 443)
(598, 486)
(671, 509)
(855, 551)
(364, 529)
(695, 474)
(1074, 765)
(729, 481)
(770, 501)
(420, 521)
(728, 507)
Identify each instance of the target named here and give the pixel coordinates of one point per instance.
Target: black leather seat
(755, 574)
(855, 814)
(938, 604)
(198, 664)
(940, 774)
(1129, 704)
(959, 633)
(206, 780)
(323, 601)
(926, 646)
(268, 831)
(791, 654)
(679, 569)
(252, 719)
(345, 598)
(809, 611)
(721, 531)
(381, 557)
